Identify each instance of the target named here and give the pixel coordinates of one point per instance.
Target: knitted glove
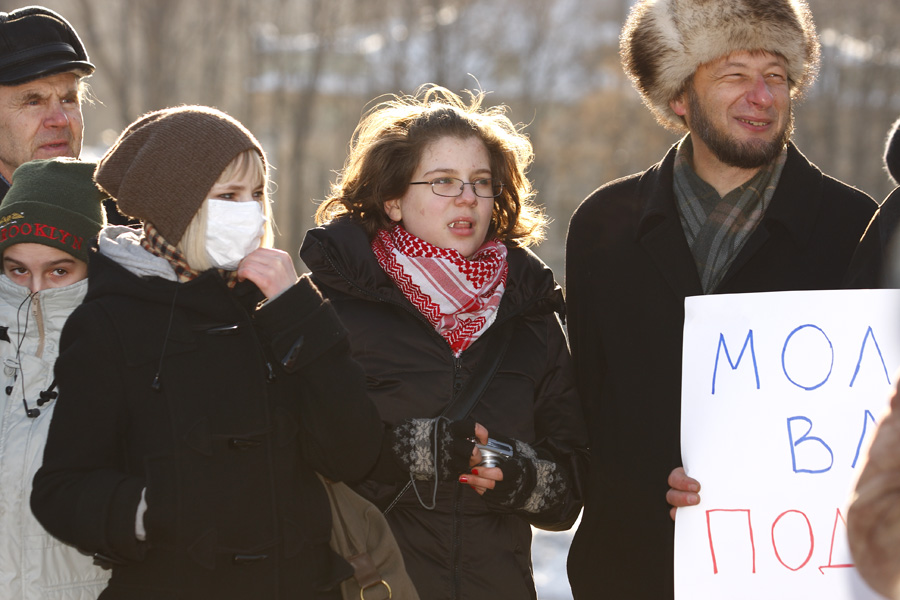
(530, 484)
(413, 444)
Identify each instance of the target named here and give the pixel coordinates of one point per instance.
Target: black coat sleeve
(560, 433)
(343, 431)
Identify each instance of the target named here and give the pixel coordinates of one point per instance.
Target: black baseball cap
(36, 42)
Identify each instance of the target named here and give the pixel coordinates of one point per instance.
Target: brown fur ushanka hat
(664, 41)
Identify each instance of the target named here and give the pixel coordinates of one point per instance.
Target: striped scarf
(458, 296)
(717, 227)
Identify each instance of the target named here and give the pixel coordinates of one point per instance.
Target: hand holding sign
(683, 490)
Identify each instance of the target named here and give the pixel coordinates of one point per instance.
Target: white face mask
(233, 230)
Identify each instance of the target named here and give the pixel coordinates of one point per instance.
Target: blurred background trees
(300, 73)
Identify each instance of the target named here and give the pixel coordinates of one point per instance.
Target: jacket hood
(120, 266)
(340, 256)
(123, 245)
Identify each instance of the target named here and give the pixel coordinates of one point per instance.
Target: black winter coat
(464, 548)
(222, 411)
(876, 258)
(628, 271)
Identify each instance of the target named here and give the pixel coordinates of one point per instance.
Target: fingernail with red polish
(463, 479)
(475, 471)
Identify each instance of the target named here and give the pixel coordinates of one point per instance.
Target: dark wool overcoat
(222, 411)
(465, 548)
(628, 271)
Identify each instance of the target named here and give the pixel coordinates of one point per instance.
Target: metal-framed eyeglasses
(451, 187)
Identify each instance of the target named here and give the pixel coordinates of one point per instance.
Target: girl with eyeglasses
(422, 250)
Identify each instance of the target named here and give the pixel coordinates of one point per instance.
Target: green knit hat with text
(53, 202)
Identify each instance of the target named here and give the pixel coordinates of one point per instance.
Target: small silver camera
(494, 453)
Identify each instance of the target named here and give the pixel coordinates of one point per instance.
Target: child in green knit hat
(47, 221)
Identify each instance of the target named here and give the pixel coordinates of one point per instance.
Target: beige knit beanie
(164, 164)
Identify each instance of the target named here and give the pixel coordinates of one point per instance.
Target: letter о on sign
(807, 358)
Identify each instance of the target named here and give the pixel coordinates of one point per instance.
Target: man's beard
(749, 154)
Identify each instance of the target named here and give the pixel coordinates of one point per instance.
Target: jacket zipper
(456, 548)
(457, 375)
(39, 319)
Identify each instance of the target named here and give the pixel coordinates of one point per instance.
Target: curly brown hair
(390, 140)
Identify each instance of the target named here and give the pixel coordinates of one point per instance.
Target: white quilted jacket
(33, 564)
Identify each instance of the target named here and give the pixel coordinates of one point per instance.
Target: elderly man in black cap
(733, 207)
(42, 63)
(42, 69)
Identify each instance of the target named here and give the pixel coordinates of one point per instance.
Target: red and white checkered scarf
(458, 296)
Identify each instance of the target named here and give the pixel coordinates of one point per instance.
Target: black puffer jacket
(464, 548)
(250, 400)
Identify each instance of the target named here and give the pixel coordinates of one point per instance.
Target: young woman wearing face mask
(423, 255)
(201, 384)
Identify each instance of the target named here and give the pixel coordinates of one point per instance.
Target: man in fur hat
(733, 207)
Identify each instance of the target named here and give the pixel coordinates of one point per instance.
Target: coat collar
(797, 197)
(659, 229)
(207, 295)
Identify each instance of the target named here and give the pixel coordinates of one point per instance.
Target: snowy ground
(548, 555)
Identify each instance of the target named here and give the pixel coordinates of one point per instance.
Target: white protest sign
(780, 396)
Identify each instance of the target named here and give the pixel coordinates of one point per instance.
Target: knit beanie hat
(164, 164)
(892, 152)
(664, 41)
(53, 202)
